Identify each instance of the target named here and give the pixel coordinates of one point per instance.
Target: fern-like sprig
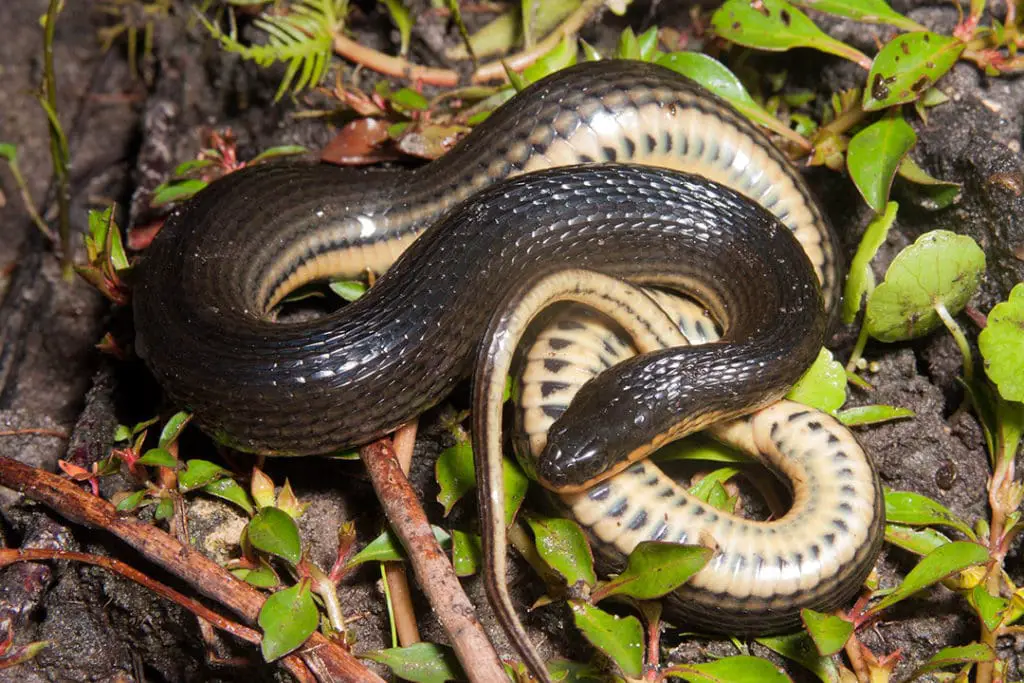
(302, 37)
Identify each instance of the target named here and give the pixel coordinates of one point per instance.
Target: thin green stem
(958, 336)
(30, 205)
(58, 142)
(389, 605)
(858, 349)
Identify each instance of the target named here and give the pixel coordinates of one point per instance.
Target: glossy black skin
(353, 376)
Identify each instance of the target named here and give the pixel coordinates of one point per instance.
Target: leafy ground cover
(866, 115)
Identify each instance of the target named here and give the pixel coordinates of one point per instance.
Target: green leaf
(261, 577)
(287, 619)
(106, 237)
(456, 477)
(989, 607)
(421, 663)
(387, 548)
(940, 193)
(702, 489)
(187, 167)
(590, 53)
(739, 669)
(700, 447)
(274, 531)
(566, 671)
(907, 66)
(867, 11)
(199, 473)
(654, 569)
(955, 656)
(122, 433)
(500, 35)
(869, 415)
(229, 490)
(823, 386)
(776, 25)
(913, 509)
(563, 545)
(349, 290)
(176, 191)
(917, 541)
(408, 99)
(131, 501)
(647, 44)
(620, 638)
(717, 78)
(874, 155)
(828, 632)
(861, 279)
(9, 152)
(942, 562)
(467, 553)
(158, 457)
(164, 508)
(801, 649)
(278, 151)
(559, 57)
(402, 20)
(719, 498)
(173, 428)
(940, 268)
(1002, 345)
(145, 424)
(628, 48)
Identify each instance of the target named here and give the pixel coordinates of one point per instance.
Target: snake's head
(601, 431)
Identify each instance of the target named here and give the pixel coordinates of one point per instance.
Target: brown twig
(430, 564)
(12, 555)
(394, 572)
(449, 78)
(37, 431)
(326, 659)
(393, 66)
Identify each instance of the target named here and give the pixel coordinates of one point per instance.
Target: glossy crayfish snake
(566, 180)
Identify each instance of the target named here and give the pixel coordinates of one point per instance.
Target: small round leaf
(939, 268)
(1002, 345)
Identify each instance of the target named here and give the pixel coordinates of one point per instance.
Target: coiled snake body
(501, 230)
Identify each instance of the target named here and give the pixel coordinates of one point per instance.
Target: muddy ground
(126, 136)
